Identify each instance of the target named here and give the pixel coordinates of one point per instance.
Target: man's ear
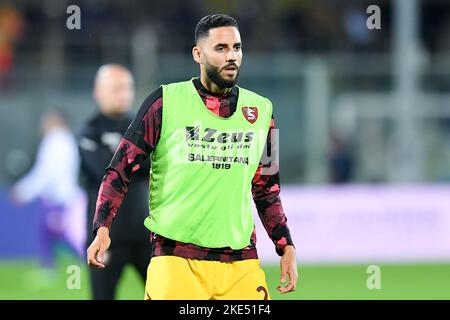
(197, 54)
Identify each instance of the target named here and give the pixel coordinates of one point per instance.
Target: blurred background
(364, 119)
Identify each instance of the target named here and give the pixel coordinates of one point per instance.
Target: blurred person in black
(99, 138)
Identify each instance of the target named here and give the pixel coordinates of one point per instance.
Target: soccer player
(53, 180)
(99, 138)
(206, 138)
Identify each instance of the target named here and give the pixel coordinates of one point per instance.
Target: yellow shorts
(176, 278)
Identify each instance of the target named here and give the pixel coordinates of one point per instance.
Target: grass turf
(21, 280)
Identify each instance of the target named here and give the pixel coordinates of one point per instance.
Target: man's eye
(237, 48)
(219, 48)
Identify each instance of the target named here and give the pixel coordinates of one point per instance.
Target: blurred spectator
(341, 161)
(99, 138)
(53, 179)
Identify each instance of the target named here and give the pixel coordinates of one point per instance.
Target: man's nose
(231, 56)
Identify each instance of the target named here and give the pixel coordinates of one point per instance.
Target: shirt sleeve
(134, 148)
(266, 194)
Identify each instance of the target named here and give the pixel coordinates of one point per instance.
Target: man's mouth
(231, 68)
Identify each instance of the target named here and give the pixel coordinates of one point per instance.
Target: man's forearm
(109, 200)
(275, 223)
(265, 192)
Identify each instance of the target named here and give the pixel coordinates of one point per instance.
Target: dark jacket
(98, 140)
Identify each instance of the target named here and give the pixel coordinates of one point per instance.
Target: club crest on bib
(250, 113)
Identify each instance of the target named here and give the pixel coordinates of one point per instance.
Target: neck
(211, 86)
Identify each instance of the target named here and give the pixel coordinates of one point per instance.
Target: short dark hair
(213, 21)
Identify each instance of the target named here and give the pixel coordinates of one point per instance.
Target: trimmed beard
(213, 74)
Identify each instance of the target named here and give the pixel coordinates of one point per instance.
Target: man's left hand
(288, 266)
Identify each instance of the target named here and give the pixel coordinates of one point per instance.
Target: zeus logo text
(211, 135)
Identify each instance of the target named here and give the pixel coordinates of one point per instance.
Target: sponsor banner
(358, 224)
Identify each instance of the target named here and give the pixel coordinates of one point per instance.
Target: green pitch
(23, 280)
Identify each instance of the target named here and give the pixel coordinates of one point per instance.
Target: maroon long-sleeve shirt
(142, 137)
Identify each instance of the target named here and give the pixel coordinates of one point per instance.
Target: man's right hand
(98, 247)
